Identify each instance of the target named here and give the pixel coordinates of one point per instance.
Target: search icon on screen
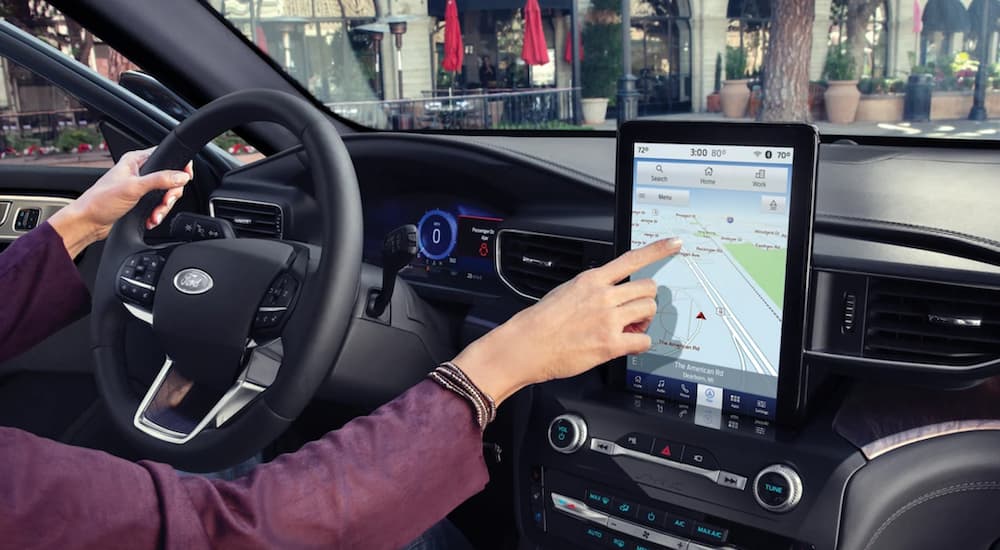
(659, 168)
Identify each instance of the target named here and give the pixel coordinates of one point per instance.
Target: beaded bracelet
(449, 376)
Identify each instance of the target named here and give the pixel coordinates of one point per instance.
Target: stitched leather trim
(927, 497)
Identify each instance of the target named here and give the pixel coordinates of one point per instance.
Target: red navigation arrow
(700, 316)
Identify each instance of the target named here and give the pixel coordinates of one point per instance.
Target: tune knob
(777, 488)
(567, 433)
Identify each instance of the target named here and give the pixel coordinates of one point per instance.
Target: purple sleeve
(378, 482)
(41, 288)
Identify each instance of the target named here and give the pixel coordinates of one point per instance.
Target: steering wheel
(249, 328)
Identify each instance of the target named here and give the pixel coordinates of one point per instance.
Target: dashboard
(904, 256)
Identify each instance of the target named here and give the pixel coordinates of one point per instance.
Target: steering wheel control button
(699, 458)
(567, 433)
(137, 278)
(777, 488)
(637, 442)
(281, 292)
(733, 481)
(196, 227)
(669, 450)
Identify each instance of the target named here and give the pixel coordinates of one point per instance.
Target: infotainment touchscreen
(723, 300)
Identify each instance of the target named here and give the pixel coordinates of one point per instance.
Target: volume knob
(777, 488)
(567, 433)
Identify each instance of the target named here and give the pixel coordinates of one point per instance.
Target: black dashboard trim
(934, 239)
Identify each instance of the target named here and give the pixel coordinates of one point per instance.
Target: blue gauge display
(437, 233)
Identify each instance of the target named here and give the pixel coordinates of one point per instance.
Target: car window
(41, 123)
(890, 67)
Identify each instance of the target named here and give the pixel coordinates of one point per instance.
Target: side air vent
(252, 219)
(933, 323)
(532, 264)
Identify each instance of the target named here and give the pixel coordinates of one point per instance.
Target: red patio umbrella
(568, 48)
(454, 52)
(535, 52)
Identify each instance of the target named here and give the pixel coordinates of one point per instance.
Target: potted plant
(842, 95)
(602, 66)
(735, 94)
(713, 103)
(881, 100)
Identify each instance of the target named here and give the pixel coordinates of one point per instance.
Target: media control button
(733, 481)
(624, 508)
(709, 533)
(670, 450)
(698, 457)
(637, 442)
(651, 517)
(598, 499)
(567, 433)
(777, 488)
(678, 524)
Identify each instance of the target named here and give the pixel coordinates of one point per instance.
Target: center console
(700, 442)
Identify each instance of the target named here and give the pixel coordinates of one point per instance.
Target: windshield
(859, 67)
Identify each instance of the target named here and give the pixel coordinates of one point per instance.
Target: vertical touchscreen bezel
(804, 139)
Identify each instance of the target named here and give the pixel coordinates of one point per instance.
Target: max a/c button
(709, 533)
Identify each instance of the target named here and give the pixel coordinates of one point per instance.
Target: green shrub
(69, 138)
(602, 42)
(839, 64)
(736, 63)
(718, 72)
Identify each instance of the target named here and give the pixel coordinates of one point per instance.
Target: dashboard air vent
(252, 219)
(532, 264)
(936, 323)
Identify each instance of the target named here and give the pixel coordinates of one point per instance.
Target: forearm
(376, 483)
(41, 288)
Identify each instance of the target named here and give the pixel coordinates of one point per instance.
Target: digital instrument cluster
(455, 240)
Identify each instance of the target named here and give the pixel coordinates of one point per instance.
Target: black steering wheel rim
(327, 298)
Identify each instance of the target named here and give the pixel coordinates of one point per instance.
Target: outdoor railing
(528, 109)
(43, 128)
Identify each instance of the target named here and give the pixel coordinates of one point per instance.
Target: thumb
(164, 179)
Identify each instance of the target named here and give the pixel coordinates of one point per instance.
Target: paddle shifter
(398, 250)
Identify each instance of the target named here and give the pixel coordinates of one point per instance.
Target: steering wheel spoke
(170, 409)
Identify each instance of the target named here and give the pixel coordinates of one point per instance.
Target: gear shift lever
(398, 249)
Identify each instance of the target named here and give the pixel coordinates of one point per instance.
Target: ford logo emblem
(193, 281)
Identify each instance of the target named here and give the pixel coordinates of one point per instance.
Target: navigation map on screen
(717, 333)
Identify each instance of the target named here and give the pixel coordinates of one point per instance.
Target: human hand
(89, 218)
(580, 324)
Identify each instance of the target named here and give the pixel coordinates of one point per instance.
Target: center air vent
(933, 323)
(532, 264)
(252, 219)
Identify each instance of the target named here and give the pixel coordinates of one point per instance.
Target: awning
(945, 16)
(748, 9)
(435, 8)
(975, 11)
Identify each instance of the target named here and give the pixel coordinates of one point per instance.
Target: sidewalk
(961, 129)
